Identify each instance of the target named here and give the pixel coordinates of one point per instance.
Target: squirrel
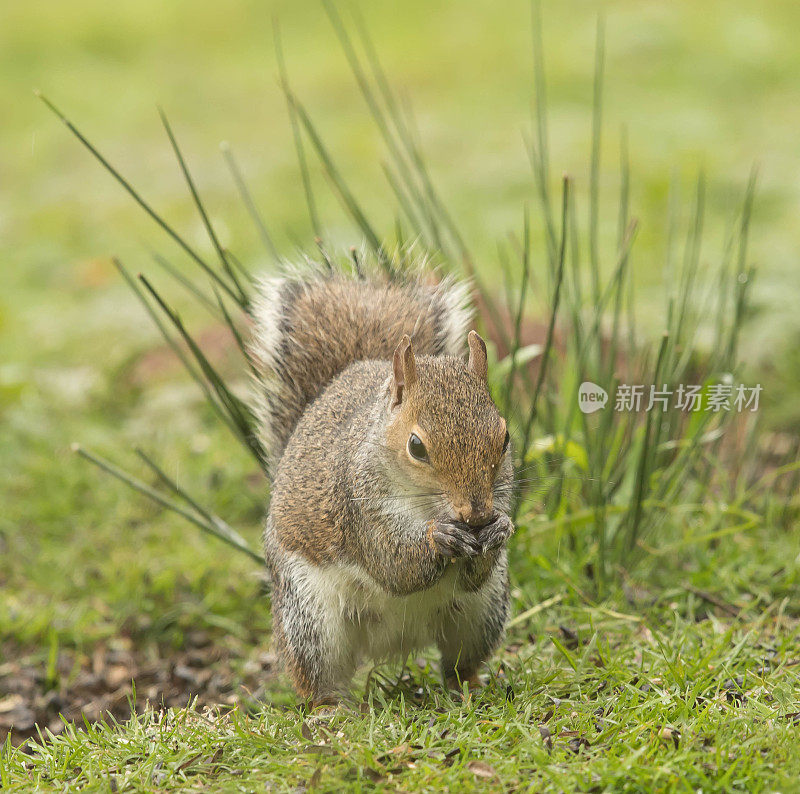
(391, 476)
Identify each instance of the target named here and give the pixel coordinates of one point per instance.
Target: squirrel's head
(446, 434)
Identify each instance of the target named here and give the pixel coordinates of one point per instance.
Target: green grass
(663, 694)
(686, 635)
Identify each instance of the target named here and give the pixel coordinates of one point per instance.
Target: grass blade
(136, 196)
(223, 530)
(523, 294)
(338, 183)
(240, 343)
(176, 348)
(300, 151)
(538, 151)
(185, 282)
(594, 173)
(241, 417)
(549, 338)
(247, 199)
(199, 520)
(226, 266)
(646, 459)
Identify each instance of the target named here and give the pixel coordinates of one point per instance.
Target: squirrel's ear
(477, 363)
(404, 369)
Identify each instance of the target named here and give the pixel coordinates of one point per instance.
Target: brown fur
(321, 322)
(347, 496)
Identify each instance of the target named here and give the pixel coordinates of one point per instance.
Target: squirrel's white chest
(377, 624)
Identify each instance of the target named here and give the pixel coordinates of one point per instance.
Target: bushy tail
(310, 326)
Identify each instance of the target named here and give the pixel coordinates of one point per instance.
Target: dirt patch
(35, 696)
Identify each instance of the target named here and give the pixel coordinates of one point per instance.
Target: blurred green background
(709, 85)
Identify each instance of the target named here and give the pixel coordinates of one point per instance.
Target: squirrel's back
(309, 326)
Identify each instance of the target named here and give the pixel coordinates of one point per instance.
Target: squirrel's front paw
(495, 535)
(452, 540)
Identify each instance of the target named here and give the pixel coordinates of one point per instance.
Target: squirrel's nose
(476, 514)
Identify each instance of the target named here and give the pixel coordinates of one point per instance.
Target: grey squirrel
(391, 476)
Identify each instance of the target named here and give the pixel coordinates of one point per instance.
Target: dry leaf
(482, 770)
(670, 735)
(10, 703)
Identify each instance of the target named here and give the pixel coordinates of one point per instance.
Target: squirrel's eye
(506, 442)
(416, 448)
